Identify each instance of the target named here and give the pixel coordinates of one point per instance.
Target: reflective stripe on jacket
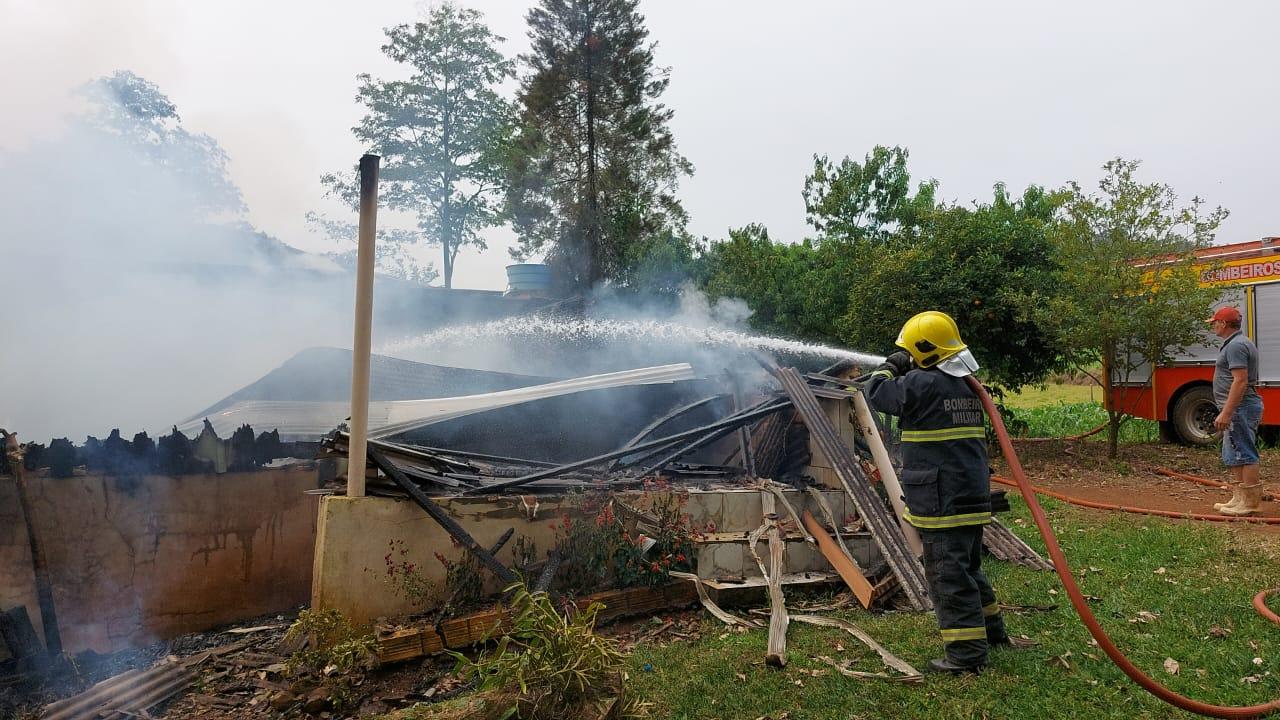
(945, 476)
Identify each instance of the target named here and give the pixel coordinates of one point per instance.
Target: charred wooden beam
(19, 636)
(715, 431)
(730, 422)
(745, 449)
(882, 524)
(770, 439)
(685, 450)
(554, 558)
(340, 442)
(502, 459)
(39, 565)
(653, 426)
(438, 514)
(453, 594)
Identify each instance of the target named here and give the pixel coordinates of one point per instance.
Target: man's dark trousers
(966, 607)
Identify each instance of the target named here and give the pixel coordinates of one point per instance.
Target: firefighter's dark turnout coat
(946, 487)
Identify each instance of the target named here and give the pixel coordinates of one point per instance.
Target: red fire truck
(1179, 394)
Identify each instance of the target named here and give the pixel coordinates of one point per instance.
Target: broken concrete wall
(356, 535)
(134, 560)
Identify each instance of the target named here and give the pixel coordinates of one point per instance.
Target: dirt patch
(1082, 469)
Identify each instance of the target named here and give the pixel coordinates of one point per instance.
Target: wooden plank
(438, 514)
(407, 643)
(548, 571)
(842, 562)
(879, 521)
(888, 477)
(776, 653)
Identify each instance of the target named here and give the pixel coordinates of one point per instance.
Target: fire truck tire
(1192, 416)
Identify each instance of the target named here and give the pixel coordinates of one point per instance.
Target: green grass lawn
(1033, 397)
(1069, 419)
(1187, 579)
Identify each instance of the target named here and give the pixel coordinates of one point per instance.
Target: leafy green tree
(1109, 305)
(802, 289)
(767, 275)
(867, 200)
(393, 251)
(594, 167)
(440, 132)
(987, 266)
(135, 114)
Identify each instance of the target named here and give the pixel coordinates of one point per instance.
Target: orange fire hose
(1077, 598)
(1260, 604)
(1138, 510)
(1201, 480)
(1072, 438)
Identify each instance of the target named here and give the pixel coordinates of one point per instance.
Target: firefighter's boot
(945, 665)
(1236, 497)
(1250, 502)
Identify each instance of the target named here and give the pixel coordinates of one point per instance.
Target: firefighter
(945, 480)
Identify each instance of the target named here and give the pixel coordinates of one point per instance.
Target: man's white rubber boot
(1251, 501)
(1236, 498)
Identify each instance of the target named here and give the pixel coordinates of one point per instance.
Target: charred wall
(140, 559)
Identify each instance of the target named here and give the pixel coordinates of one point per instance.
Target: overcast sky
(978, 91)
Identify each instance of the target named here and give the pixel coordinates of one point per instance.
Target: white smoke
(126, 306)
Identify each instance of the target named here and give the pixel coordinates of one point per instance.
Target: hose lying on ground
(1138, 510)
(1200, 480)
(1260, 604)
(1071, 438)
(1077, 598)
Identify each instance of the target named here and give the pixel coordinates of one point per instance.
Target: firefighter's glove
(898, 363)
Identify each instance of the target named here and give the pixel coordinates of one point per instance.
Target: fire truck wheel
(1192, 416)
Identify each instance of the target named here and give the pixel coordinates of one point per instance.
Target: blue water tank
(529, 280)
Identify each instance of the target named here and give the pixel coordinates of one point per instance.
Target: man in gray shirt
(1235, 378)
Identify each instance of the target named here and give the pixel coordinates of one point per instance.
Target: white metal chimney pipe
(360, 348)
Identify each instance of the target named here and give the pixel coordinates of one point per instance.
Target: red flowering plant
(666, 545)
(587, 547)
(407, 578)
(462, 578)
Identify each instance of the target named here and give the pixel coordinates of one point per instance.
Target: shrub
(549, 665)
(335, 651)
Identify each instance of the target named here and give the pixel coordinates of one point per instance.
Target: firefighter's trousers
(963, 600)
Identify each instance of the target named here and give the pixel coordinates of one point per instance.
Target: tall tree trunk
(1113, 433)
(445, 243)
(593, 234)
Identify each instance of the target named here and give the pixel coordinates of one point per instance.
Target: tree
(135, 114)
(988, 266)
(865, 201)
(594, 167)
(393, 250)
(1110, 305)
(802, 289)
(441, 131)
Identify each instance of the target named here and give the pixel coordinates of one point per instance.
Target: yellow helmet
(931, 337)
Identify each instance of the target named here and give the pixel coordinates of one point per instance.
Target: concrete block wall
(356, 534)
(740, 511)
(138, 560)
